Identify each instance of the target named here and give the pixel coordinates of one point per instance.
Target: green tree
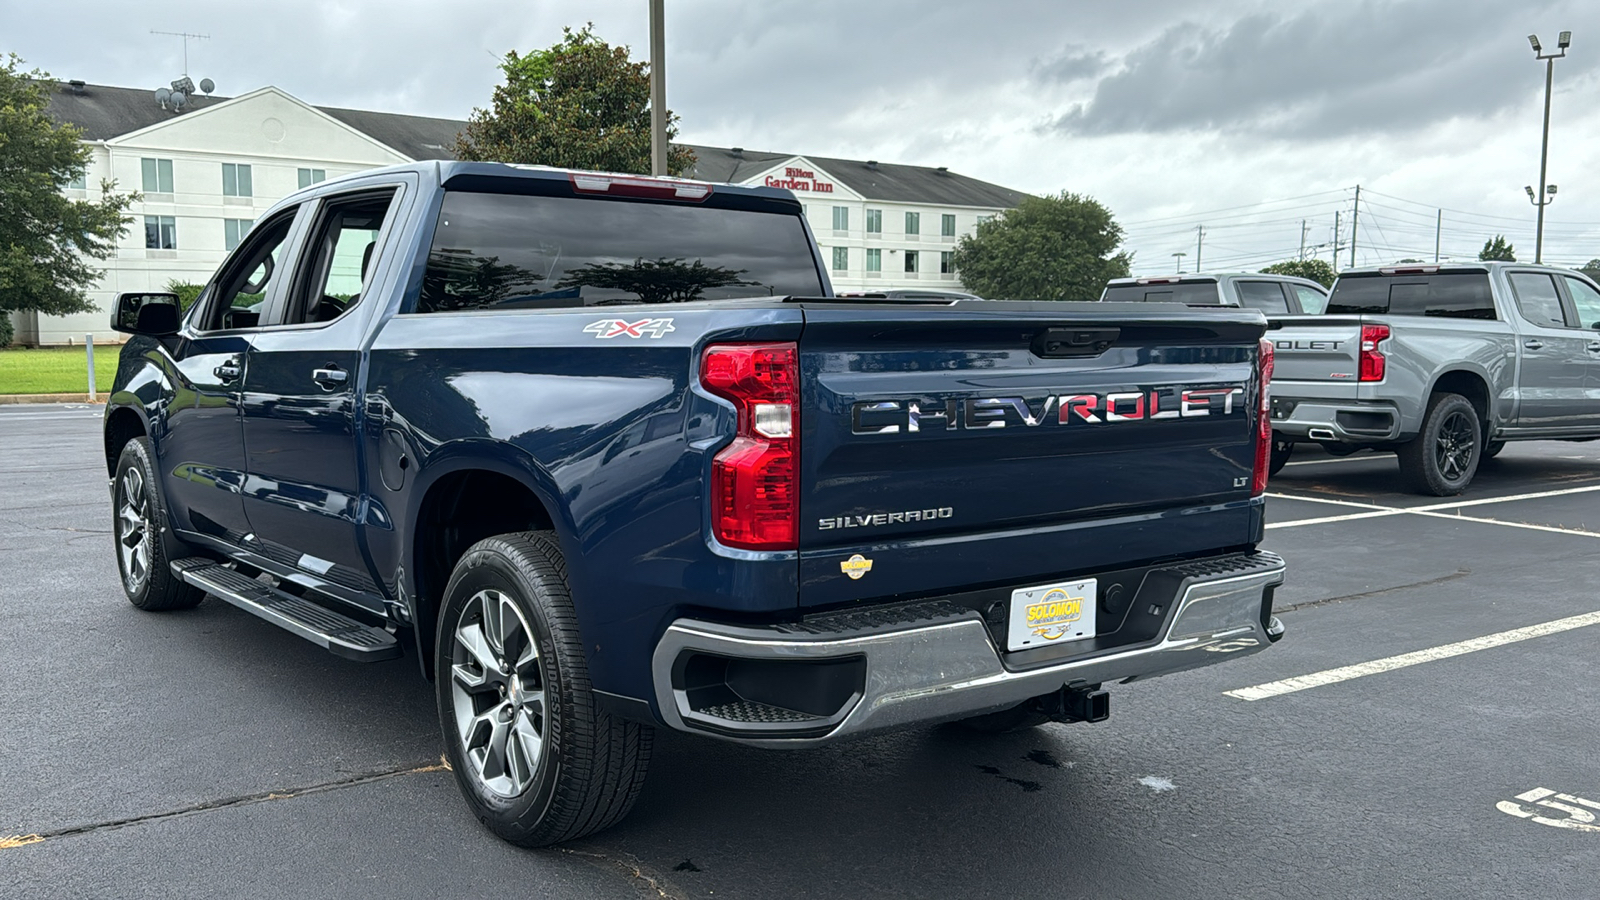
(1498, 248)
(1591, 268)
(47, 241)
(1315, 269)
(1061, 247)
(188, 292)
(581, 104)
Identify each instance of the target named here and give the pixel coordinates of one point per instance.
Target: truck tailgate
(978, 444)
(1324, 351)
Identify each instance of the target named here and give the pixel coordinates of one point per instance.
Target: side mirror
(151, 313)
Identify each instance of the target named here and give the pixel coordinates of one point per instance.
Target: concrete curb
(49, 398)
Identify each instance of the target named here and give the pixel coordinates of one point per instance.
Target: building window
(874, 221)
(160, 233)
(236, 180)
(947, 225)
(308, 177)
(874, 259)
(841, 259)
(233, 231)
(80, 183)
(947, 263)
(911, 260)
(841, 218)
(913, 224)
(157, 175)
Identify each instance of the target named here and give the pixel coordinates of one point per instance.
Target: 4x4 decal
(610, 328)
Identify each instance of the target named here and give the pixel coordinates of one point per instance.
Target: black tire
(142, 537)
(1444, 456)
(587, 768)
(1493, 448)
(1280, 456)
(1007, 721)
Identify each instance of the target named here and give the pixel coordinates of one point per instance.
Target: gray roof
(105, 112)
(890, 182)
(418, 137)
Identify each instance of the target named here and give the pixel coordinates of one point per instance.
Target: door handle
(228, 371)
(1534, 344)
(331, 377)
(1594, 347)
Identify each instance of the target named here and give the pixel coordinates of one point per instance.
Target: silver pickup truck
(1442, 364)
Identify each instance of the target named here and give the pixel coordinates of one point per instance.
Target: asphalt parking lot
(1438, 665)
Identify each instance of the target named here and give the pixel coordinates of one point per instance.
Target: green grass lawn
(56, 370)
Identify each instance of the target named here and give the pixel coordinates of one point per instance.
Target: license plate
(1051, 614)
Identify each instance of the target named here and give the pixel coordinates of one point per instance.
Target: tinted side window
(1266, 296)
(1537, 299)
(1587, 300)
(1451, 296)
(1312, 301)
(338, 258)
(240, 291)
(504, 251)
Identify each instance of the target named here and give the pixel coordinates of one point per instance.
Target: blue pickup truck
(605, 454)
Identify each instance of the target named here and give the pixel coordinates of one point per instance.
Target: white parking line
(1336, 459)
(1433, 510)
(1389, 664)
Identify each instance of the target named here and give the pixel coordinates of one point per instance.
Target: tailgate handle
(1063, 343)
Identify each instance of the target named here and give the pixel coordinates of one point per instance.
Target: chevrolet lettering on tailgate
(912, 416)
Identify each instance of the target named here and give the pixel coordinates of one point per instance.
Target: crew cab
(605, 454)
(1443, 364)
(1273, 295)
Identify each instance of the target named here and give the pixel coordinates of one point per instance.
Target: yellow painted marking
(19, 840)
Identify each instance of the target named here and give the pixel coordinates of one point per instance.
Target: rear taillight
(755, 481)
(1372, 361)
(1264, 361)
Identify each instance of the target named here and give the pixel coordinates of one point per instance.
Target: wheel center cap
(514, 690)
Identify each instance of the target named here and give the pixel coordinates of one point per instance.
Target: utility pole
(658, 88)
(1547, 192)
(1199, 244)
(1336, 240)
(1355, 221)
(1438, 229)
(1302, 255)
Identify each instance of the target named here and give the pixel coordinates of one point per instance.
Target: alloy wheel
(497, 693)
(1454, 448)
(133, 529)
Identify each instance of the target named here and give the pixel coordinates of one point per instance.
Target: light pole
(658, 88)
(1547, 192)
(1179, 256)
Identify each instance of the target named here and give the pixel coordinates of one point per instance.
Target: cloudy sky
(1242, 116)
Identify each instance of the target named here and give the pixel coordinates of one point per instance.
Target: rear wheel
(140, 520)
(537, 760)
(1442, 459)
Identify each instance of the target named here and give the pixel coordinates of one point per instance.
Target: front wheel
(138, 526)
(1442, 459)
(537, 760)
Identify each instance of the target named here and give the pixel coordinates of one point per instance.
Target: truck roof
(536, 179)
(1194, 277)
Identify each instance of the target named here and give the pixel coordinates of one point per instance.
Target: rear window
(1463, 295)
(508, 251)
(1266, 296)
(1194, 293)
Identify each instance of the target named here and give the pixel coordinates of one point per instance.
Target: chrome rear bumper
(940, 662)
